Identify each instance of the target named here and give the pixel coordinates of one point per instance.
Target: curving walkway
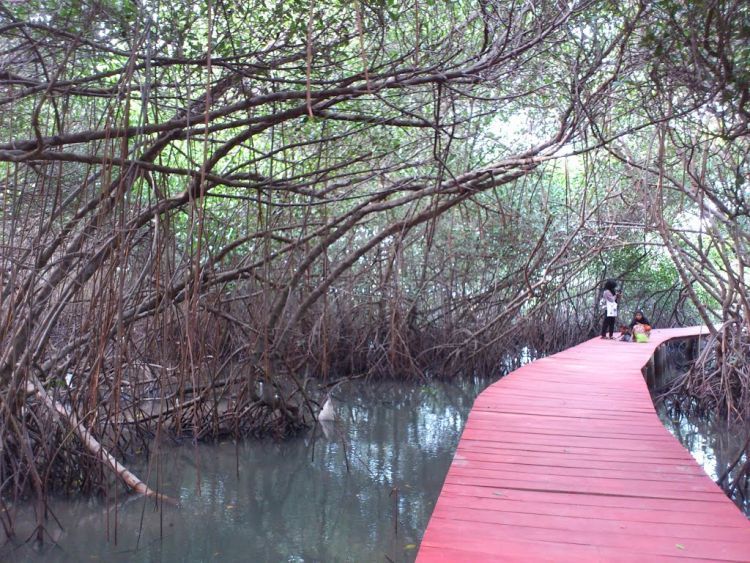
(565, 459)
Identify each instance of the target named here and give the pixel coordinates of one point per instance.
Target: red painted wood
(635, 513)
(656, 506)
(565, 460)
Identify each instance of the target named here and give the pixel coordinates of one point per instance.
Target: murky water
(715, 443)
(361, 489)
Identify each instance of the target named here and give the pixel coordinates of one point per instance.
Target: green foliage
(406, 99)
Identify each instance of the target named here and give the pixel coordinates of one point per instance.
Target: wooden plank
(698, 509)
(657, 473)
(525, 460)
(521, 552)
(588, 486)
(611, 452)
(593, 525)
(635, 513)
(517, 551)
(636, 543)
(555, 435)
(565, 441)
(565, 460)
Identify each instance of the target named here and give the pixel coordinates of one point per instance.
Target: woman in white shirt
(610, 299)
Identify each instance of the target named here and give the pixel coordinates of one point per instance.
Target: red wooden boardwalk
(565, 460)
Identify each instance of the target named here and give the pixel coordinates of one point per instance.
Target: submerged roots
(719, 378)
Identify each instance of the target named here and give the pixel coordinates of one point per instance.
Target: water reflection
(361, 489)
(715, 443)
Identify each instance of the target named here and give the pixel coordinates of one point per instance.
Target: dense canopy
(208, 210)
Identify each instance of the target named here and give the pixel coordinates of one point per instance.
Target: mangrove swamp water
(715, 443)
(359, 489)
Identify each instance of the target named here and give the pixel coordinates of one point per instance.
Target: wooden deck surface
(565, 459)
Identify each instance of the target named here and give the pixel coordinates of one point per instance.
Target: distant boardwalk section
(565, 459)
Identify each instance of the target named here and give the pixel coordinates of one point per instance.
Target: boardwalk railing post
(660, 365)
(649, 372)
(692, 348)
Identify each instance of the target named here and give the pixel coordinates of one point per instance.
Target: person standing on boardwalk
(610, 299)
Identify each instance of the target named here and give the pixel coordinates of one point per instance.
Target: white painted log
(326, 412)
(92, 444)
